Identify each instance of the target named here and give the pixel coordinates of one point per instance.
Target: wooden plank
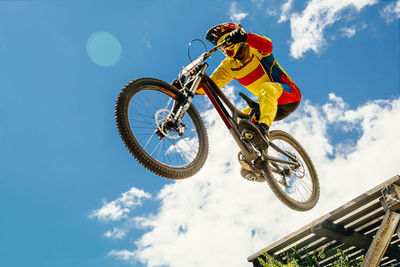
(354, 252)
(382, 239)
(389, 262)
(374, 222)
(331, 253)
(361, 211)
(363, 216)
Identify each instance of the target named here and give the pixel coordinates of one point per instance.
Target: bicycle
(164, 132)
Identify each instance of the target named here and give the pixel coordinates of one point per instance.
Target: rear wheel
(296, 186)
(170, 150)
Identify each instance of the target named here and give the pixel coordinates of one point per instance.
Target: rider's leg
(288, 101)
(268, 95)
(285, 110)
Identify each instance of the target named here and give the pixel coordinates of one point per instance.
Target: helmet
(215, 33)
(218, 33)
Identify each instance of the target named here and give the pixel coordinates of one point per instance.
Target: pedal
(246, 127)
(249, 135)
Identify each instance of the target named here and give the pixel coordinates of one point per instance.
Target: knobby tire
(131, 141)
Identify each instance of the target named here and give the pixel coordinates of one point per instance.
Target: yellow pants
(267, 95)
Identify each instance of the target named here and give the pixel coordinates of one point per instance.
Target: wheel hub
(165, 127)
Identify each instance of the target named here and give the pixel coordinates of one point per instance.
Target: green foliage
(311, 259)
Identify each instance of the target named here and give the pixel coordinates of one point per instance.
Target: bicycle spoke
(149, 140)
(183, 151)
(151, 154)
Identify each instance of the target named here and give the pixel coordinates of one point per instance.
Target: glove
(237, 36)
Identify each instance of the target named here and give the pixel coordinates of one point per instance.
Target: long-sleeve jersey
(258, 66)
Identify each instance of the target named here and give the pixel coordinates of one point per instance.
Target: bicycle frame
(218, 99)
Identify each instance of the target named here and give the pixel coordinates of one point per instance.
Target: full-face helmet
(218, 33)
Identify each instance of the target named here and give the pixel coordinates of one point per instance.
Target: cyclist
(249, 60)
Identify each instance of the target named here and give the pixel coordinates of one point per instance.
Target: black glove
(235, 37)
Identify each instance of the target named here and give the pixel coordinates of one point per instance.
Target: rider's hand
(237, 36)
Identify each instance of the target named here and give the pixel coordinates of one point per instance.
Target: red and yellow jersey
(257, 67)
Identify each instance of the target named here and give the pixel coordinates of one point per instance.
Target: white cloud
(307, 28)
(147, 43)
(392, 11)
(116, 233)
(235, 14)
(348, 32)
(124, 255)
(228, 218)
(271, 12)
(120, 207)
(285, 9)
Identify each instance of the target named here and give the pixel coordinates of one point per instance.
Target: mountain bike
(163, 130)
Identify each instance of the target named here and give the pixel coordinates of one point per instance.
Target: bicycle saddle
(252, 104)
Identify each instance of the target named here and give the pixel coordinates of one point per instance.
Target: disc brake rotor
(161, 120)
(299, 171)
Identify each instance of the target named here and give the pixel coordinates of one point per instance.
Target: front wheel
(297, 186)
(171, 150)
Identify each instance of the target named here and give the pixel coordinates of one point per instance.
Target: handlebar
(215, 48)
(198, 61)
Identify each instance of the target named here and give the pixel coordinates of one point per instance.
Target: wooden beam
(339, 233)
(351, 238)
(382, 239)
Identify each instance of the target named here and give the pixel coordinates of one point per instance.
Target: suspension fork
(179, 109)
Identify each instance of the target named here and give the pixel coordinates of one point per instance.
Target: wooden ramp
(368, 225)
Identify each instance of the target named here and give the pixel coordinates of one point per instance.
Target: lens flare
(104, 49)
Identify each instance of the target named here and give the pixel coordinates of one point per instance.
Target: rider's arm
(262, 44)
(220, 77)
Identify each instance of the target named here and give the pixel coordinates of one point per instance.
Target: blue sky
(62, 64)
